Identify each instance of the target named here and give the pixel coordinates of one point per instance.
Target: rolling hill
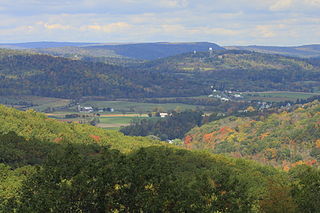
(44, 44)
(23, 73)
(297, 51)
(47, 165)
(189, 74)
(140, 51)
(283, 139)
(151, 51)
(253, 71)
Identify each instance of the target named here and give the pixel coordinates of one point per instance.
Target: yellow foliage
(251, 109)
(266, 134)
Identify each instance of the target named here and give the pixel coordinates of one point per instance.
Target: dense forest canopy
(312, 50)
(253, 71)
(190, 74)
(284, 139)
(46, 165)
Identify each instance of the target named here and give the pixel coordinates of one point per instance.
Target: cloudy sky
(226, 22)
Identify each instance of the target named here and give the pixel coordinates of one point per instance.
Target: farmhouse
(163, 114)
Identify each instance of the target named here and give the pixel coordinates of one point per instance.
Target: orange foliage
(95, 137)
(318, 143)
(225, 130)
(208, 137)
(311, 162)
(262, 136)
(286, 168)
(57, 140)
(187, 141)
(297, 163)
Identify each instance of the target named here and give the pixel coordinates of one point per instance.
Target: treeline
(172, 127)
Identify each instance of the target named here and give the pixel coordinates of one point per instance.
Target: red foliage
(95, 137)
(208, 137)
(187, 141)
(311, 162)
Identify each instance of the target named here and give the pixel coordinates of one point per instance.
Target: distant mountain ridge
(151, 51)
(142, 51)
(307, 51)
(43, 44)
(253, 71)
(188, 74)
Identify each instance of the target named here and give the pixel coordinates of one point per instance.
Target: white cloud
(173, 3)
(56, 26)
(222, 21)
(313, 2)
(108, 28)
(264, 31)
(281, 5)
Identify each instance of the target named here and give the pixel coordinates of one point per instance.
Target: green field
(126, 111)
(135, 107)
(34, 102)
(116, 122)
(275, 96)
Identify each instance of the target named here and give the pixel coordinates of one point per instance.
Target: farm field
(135, 107)
(107, 121)
(34, 102)
(277, 96)
(125, 110)
(116, 121)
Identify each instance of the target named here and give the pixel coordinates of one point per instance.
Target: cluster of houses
(89, 109)
(226, 95)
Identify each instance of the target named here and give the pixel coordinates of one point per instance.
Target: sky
(225, 22)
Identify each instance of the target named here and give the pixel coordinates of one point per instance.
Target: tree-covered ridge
(33, 126)
(172, 127)
(50, 166)
(233, 59)
(312, 50)
(43, 75)
(23, 73)
(4, 53)
(285, 138)
(253, 71)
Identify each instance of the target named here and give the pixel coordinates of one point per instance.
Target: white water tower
(210, 50)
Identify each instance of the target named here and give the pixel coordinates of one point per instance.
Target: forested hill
(39, 132)
(23, 73)
(284, 139)
(190, 74)
(312, 50)
(233, 60)
(43, 44)
(151, 51)
(253, 71)
(142, 51)
(45, 75)
(50, 166)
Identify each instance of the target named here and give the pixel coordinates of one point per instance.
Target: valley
(178, 127)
